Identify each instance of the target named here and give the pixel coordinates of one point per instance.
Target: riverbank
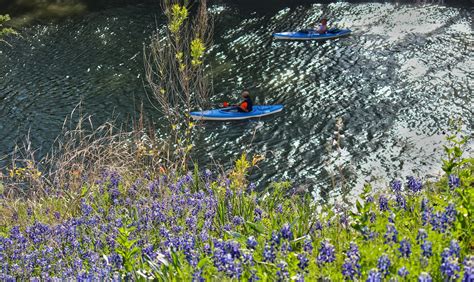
(133, 223)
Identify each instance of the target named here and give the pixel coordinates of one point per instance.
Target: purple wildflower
(275, 240)
(303, 261)
(405, 248)
(396, 186)
(427, 249)
(454, 249)
(257, 214)
(374, 276)
(468, 269)
(392, 234)
(449, 266)
(424, 204)
(308, 245)
(383, 264)
(299, 277)
(422, 235)
(414, 184)
(453, 181)
(251, 242)
(269, 253)
(401, 202)
(326, 253)
(286, 232)
(353, 252)
(383, 203)
(424, 277)
(369, 199)
(282, 273)
(403, 272)
(279, 208)
(237, 220)
(197, 276)
(350, 269)
(318, 225)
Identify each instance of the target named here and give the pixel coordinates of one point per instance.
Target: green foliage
(454, 148)
(177, 17)
(127, 249)
(197, 51)
(5, 30)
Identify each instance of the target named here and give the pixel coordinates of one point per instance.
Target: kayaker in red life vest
(247, 104)
(323, 27)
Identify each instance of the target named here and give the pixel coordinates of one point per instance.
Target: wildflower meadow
(205, 226)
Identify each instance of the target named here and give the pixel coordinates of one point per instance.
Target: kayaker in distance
(323, 27)
(247, 104)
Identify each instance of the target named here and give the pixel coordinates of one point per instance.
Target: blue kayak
(231, 113)
(312, 35)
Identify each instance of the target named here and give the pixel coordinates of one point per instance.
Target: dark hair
(245, 91)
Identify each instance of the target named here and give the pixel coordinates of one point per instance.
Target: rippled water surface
(394, 82)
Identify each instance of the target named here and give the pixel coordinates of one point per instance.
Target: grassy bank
(175, 226)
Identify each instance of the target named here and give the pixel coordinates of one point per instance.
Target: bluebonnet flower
(391, 236)
(369, 199)
(414, 184)
(350, 269)
(368, 234)
(269, 253)
(326, 253)
(237, 220)
(422, 235)
(227, 227)
(449, 266)
(401, 202)
(424, 277)
(353, 253)
(308, 245)
(197, 276)
(254, 277)
(279, 208)
(318, 225)
(403, 272)
(299, 277)
(257, 214)
(449, 215)
(424, 204)
(251, 242)
(275, 240)
(427, 249)
(383, 264)
(396, 186)
(351, 266)
(453, 181)
(285, 247)
(251, 187)
(282, 273)
(468, 269)
(454, 249)
(373, 217)
(383, 203)
(191, 222)
(374, 276)
(303, 261)
(286, 232)
(405, 248)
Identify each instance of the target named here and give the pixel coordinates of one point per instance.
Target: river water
(394, 83)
